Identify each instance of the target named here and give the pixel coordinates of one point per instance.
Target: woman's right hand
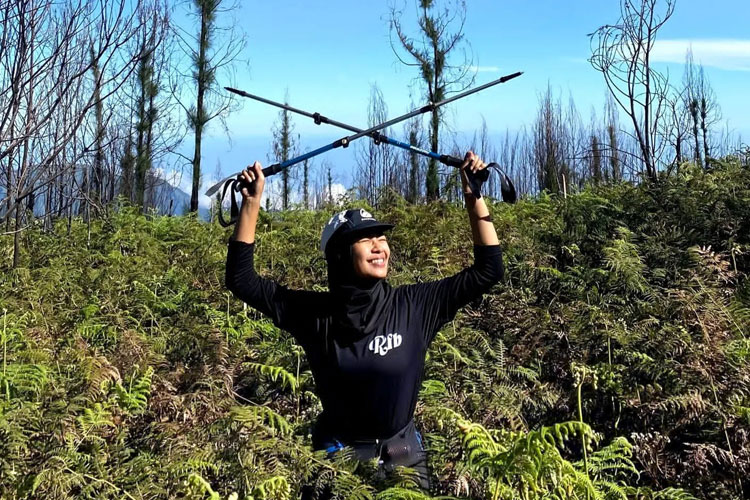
(253, 175)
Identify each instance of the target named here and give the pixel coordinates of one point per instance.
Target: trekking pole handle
(455, 161)
(475, 179)
(267, 172)
(451, 161)
(272, 169)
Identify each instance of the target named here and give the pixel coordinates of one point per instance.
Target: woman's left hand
(472, 162)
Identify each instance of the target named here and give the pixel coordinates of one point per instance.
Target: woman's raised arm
(245, 229)
(482, 228)
(286, 308)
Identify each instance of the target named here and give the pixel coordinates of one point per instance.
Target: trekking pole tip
(234, 91)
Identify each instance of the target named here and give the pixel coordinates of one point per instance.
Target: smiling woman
(366, 342)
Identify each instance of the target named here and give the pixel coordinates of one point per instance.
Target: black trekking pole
(507, 189)
(235, 181)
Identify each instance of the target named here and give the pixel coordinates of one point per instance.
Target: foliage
(613, 362)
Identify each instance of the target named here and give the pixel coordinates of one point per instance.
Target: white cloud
(185, 183)
(337, 190)
(484, 69)
(733, 55)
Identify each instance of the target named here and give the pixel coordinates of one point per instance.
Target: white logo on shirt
(384, 343)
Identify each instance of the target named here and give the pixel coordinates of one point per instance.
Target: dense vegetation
(613, 362)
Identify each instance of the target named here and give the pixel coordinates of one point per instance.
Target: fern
(22, 379)
(254, 416)
(622, 258)
(275, 373)
(644, 286)
(198, 488)
(532, 462)
(398, 493)
(134, 398)
(274, 488)
(93, 419)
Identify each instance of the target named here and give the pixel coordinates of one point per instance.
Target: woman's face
(370, 255)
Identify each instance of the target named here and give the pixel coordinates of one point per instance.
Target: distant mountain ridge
(169, 200)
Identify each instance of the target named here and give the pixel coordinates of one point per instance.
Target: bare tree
(700, 101)
(622, 53)
(439, 37)
(414, 136)
(548, 144)
(676, 126)
(47, 54)
(613, 139)
(324, 185)
(511, 158)
(576, 146)
(97, 180)
(374, 160)
(207, 60)
(306, 183)
(595, 162)
(148, 89)
(484, 147)
(284, 148)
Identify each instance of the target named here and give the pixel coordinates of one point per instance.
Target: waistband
(405, 447)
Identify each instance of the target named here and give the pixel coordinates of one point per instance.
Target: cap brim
(366, 227)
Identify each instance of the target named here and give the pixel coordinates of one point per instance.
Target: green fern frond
(432, 389)
(94, 418)
(351, 486)
(673, 494)
(134, 398)
(612, 461)
(17, 379)
(253, 416)
(398, 493)
(275, 373)
(198, 488)
(274, 488)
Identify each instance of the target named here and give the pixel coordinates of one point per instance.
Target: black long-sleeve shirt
(368, 385)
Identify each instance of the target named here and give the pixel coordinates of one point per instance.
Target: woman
(365, 341)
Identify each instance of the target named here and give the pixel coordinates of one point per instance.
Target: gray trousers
(404, 448)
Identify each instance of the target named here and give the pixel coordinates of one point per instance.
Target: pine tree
(207, 62)
(430, 52)
(204, 77)
(146, 113)
(97, 179)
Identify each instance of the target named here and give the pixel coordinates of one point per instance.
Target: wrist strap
(234, 213)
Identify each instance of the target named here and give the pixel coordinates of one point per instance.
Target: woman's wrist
(250, 204)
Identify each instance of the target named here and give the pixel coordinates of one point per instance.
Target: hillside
(622, 325)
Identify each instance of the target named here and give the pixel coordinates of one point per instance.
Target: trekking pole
(507, 189)
(235, 181)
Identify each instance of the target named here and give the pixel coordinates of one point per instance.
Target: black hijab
(359, 304)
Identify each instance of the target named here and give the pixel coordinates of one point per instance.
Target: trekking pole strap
(234, 211)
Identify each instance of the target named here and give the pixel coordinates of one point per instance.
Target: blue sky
(326, 55)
